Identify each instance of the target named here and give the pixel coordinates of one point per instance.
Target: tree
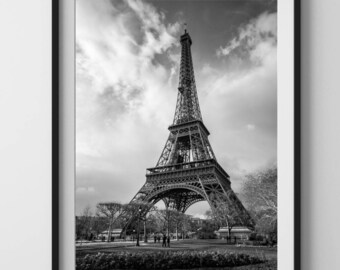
(153, 222)
(260, 193)
(83, 223)
(186, 225)
(171, 220)
(138, 211)
(99, 224)
(178, 219)
(164, 219)
(226, 216)
(150, 222)
(209, 214)
(110, 211)
(193, 226)
(207, 230)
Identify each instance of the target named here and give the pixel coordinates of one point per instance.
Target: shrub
(260, 238)
(164, 260)
(252, 236)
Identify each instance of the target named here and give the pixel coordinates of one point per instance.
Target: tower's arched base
(181, 186)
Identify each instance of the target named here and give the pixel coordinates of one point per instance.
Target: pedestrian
(168, 239)
(164, 241)
(159, 239)
(155, 238)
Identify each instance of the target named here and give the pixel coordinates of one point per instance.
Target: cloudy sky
(127, 63)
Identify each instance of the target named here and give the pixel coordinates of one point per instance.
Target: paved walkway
(188, 244)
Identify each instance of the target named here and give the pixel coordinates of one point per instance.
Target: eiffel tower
(187, 171)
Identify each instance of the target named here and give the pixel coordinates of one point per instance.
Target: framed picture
(179, 139)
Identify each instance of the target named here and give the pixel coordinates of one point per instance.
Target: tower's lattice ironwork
(187, 170)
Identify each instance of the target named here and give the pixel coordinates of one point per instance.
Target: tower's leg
(224, 203)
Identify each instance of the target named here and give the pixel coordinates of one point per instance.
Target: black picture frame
(56, 128)
(297, 134)
(55, 134)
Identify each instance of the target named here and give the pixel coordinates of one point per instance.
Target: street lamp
(145, 234)
(139, 214)
(168, 227)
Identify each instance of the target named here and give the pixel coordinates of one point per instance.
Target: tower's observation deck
(186, 38)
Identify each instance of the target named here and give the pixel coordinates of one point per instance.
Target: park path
(104, 247)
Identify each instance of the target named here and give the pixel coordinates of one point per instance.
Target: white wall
(320, 134)
(25, 134)
(25, 157)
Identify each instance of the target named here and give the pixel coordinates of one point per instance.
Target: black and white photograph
(176, 111)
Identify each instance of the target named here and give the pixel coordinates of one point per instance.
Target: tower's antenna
(185, 27)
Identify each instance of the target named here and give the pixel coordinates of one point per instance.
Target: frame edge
(297, 134)
(55, 134)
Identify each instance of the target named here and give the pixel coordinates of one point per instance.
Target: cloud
(123, 93)
(242, 97)
(250, 127)
(85, 190)
(254, 40)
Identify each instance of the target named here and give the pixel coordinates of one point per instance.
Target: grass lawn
(189, 244)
